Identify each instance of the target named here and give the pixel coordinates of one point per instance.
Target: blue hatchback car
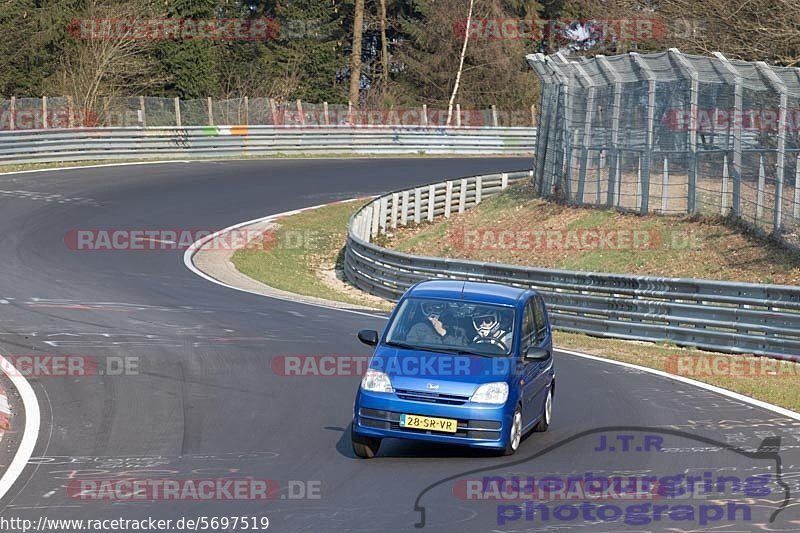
(463, 363)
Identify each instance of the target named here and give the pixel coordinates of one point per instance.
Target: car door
(528, 369)
(543, 340)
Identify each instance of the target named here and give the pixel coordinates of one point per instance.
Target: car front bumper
(479, 425)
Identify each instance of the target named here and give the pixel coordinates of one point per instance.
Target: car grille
(470, 429)
(431, 397)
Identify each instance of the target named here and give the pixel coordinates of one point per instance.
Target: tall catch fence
(671, 133)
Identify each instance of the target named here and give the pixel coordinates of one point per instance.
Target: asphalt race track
(205, 403)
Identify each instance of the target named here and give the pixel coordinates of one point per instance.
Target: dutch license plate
(448, 425)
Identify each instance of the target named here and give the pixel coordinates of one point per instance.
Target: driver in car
(489, 330)
(429, 328)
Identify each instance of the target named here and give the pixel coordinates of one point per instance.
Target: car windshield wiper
(408, 346)
(444, 349)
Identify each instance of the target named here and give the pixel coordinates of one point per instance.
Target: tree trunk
(355, 56)
(384, 45)
(460, 64)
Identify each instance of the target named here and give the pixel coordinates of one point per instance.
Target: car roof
(473, 291)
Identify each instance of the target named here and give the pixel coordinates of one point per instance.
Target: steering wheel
(491, 341)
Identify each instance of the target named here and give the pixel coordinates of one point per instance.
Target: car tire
(547, 412)
(364, 447)
(514, 433)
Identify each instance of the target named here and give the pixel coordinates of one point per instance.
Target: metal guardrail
(712, 315)
(60, 145)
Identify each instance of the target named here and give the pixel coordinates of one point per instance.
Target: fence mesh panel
(672, 133)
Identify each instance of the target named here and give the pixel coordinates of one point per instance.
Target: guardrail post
(725, 178)
(761, 186)
(44, 112)
(143, 115)
(665, 186)
(210, 105)
(431, 201)
(404, 210)
(395, 200)
(375, 219)
(614, 172)
(246, 110)
(12, 123)
(462, 195)
(737, 133)
(504, 180)
(383, 212)
(778, 85)
(417, 205)
(694, 78)
(177, 112)
(645, 162)
(478, 189)
(448, 197)
(325, 111)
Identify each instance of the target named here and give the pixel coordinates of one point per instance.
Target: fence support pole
(325, 110)
(665, 187)
(587, 129)
(762, 181)
(495, 122)
(300, 114)
(210, 105)
(796, 204)
(614, 171)
(778, 85)
(143, 118)
(273, 108)
(70, 113)
(177, 111)
(737, 133)
(646, 160)
(687, 68)
(44, 112)
(458, 115)
(725, 178)
(12, 123)
(424, 115)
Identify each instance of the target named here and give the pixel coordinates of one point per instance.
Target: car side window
(528, 326)
(540, 323)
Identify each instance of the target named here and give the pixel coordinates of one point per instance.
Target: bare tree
(384, 45)
(460, 63)
(355, 55)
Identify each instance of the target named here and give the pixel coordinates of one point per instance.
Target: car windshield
(452, 327)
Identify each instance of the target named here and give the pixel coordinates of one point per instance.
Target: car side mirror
(536, 354)
(368, 337)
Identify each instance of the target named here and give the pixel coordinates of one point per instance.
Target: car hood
(439, 372)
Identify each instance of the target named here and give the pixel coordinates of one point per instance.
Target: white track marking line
(189, 253)
(32, 424)
(195, 247)
(82, 167)
(719, 390)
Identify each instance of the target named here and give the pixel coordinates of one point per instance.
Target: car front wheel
(364, 447)
(547, 412)
(514, 433)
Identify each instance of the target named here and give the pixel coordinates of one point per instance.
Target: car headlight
(376, 381)
(496, 393)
